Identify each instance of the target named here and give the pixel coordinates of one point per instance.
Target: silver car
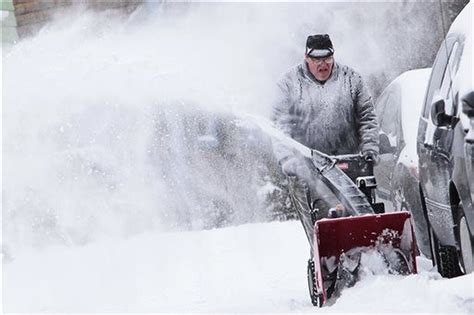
(398, 109)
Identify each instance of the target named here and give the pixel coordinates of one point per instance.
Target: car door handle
(428, 146)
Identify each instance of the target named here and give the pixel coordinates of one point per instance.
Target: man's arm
(368, 127)
(283, 122)
(281, 107)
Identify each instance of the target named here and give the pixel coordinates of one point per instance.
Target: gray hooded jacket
(337, 117)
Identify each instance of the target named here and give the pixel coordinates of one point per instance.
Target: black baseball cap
(319, 46)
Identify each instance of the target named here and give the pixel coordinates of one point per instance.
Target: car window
(457, 56)
(445, 90)
(390, 118)
(438, 73)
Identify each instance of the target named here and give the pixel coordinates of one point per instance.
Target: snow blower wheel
(316, 298)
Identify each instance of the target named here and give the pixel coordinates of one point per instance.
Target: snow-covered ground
(248, 268)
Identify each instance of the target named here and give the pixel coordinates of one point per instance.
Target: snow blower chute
(357, 225)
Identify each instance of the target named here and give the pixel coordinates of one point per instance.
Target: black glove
(295, 166)
(289, 165)
(371, 156)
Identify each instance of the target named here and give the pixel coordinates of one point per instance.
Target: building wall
(22, 18)
(7, 14)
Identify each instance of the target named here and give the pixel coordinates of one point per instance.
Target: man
(325, 106)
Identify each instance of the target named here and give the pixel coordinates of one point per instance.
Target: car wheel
(444, 257)
(465, 242)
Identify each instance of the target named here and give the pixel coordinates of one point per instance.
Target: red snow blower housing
(356, 226)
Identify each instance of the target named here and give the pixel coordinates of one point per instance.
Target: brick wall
(21, 18)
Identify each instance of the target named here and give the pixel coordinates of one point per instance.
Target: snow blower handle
(354, 165)
(353, 157)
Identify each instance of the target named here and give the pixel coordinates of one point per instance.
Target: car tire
(445, 258)
(465, 242)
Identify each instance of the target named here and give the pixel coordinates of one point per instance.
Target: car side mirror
(468, 104)
(385, 145)
(468, 109)
(438, 113)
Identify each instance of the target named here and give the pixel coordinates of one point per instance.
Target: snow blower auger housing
(359, 224)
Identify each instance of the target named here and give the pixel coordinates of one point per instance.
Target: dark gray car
(445, 186)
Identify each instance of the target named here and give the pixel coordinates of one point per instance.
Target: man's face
(321, 68)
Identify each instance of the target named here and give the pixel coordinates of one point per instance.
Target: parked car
(445, 186)
(398, 109)
(468, 110)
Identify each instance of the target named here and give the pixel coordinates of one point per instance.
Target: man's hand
(295, 166)
(371, 156)
(289, 166)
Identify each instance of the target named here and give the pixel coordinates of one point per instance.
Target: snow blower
(356, 225)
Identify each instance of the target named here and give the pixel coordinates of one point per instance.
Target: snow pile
(250, 268)
(382, 261)
(373, 263)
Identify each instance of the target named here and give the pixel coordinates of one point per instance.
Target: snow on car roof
(412, 86)
(463, 21)
(463, 25)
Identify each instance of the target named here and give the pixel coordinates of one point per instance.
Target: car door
(434, 143)
(433, 139)
(469, 148)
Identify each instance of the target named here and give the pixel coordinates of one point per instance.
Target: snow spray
(117, 125)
